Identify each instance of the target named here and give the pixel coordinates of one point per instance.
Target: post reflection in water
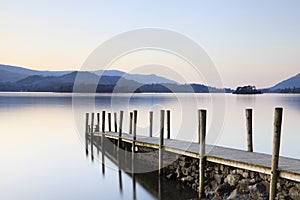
(120, 170)
(103, 155)
(158, 187)
(132, 171)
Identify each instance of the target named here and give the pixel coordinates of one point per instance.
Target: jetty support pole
(133, 153)
(275, 152)
(134, 131)
(249, 130)
(134, 124)
(103, 121)
(120, 128)
(98, 123)
(86, 132)
(116, 124)
(151, 123)
(92, 136)
(161, 143)
(109, 122)
(168, 124)
(92, 123)
(202, 157)
(130, 122)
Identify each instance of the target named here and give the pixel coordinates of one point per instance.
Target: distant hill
(6, 76)
(30, 72)
(15, 73)
(141, 78)
(293, 82)
(21, 79)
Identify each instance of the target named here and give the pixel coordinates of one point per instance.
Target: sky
(250, 42)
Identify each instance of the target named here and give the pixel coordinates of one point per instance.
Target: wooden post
(202, 136)
(120, 128)
(92, 123)
(98, 123)
(161, 142)
(249, 130)
(116, 125)
(86, 124)
(103, 121)
(92, 136)
(134, 124)
(151, 124)
(86, 132)
(168, 124)
(109, 122)
(134, 132)
(130, 122)
(275, 153)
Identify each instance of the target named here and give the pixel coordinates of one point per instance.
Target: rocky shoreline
(221, 181)
(225, 182)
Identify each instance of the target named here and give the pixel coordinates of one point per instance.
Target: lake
(42, 144)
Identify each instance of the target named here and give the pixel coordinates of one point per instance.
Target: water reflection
(292, 100)
(159, 187)
(45, 121)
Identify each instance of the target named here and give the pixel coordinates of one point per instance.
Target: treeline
(287, 90)
(119, 88)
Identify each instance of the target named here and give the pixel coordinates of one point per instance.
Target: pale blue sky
(255, 42)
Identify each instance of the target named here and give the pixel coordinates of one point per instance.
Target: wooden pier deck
(273, 165)
(289, 168)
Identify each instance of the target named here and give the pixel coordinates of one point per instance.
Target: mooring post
(202, 136)
(275, 152)
(109, 122)
(86, 124)
(92, 136)
(130, 122)
(115, 119)
(134, 131)
(161, 142)
(151, 124)
(249, 130)
(103, 121)
(98, 123)
(120, 128)
(133, 153)
(134, 124)
(168, 124)
(92, 122)
(86, 132)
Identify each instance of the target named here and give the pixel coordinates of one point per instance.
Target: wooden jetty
(274, 165)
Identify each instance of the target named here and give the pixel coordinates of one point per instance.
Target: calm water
(41, 138)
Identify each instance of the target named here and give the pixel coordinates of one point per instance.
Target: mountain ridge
(292, 82)
(141, 78)
(16, 78)
(88, 81)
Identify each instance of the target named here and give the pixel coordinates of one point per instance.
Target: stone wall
(221, 181)
(225, 182)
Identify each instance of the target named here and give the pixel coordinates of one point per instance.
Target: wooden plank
(289, 168)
